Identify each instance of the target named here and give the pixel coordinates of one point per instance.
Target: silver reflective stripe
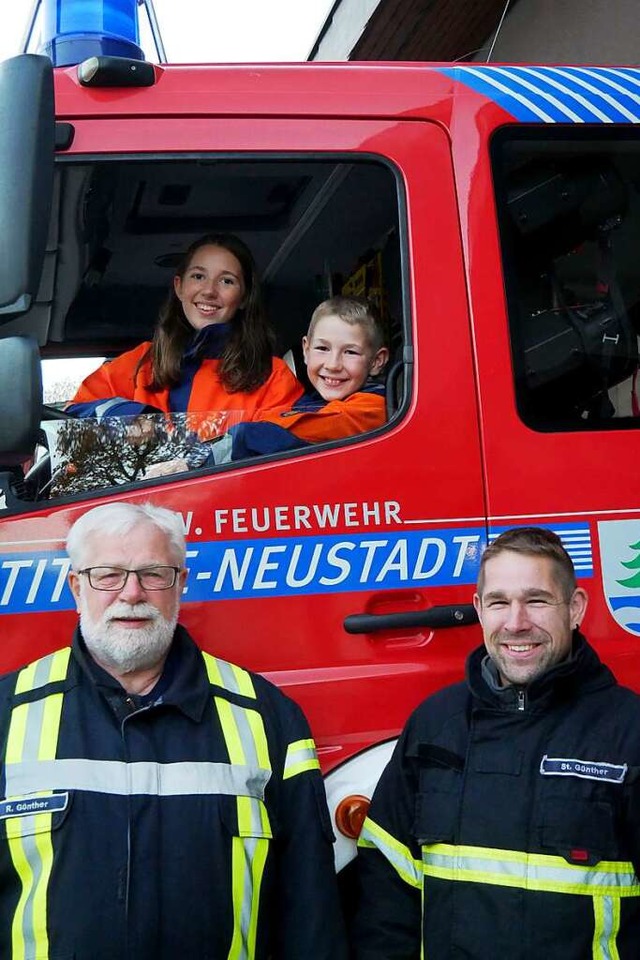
(222, 449)
(30, 848)
(241, 718)
(46, 670)
(301, 756)
(104, 409)
(42, 672)
(229, 676)
(533, 872)
(33, 738)
(246, 907)
(125, 779)
(607, 924)
(398, 855)
(32, 733)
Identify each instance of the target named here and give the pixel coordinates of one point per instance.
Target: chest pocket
(577, 826)
(245, 817)
(438, 796)
(33, 814)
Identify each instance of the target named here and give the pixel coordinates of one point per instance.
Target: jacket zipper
(522, 699)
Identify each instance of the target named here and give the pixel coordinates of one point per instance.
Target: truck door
(558, 359)
(283, 551)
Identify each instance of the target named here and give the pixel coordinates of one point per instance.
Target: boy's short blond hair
(356, 311)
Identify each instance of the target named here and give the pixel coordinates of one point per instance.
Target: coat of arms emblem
(620, 562)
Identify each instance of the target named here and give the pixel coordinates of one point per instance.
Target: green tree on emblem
(634, 581)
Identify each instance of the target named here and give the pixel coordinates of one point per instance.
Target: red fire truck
(492, 211)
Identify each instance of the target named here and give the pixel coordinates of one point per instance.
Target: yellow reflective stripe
(48, 669)
(301, 756)
(374, 836)
(59, 664)
(230, 731)
(44, 845)
(253, 818)
(256, 725)
(248, 859)
(33, 735)
(50, 726)
(229, 676)
(260, 851)
(237, 892)
(17, 733)
(26, 678)
(511, 868)
(607, 924)
(244, 681)
(246, 742)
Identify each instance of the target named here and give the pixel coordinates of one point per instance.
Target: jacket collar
(207, 343)
(582, 671)
(184, 683)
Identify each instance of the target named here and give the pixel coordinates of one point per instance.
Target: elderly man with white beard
(159, 802)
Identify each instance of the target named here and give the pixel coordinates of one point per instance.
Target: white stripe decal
(609, 80)
(545, 95)
(488, 78)
(567, 91)
(626, 74)
(580, 81)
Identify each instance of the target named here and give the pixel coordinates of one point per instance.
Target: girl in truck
(212, 349)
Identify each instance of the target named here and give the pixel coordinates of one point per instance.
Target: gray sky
(201, 31)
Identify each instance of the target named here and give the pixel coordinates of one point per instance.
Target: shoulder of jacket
(229, 676)
(280, 712)
(280, 367)
(132, 355)
(364, 398)
(51, 668)
(441, 706)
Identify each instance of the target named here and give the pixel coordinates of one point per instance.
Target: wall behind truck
(534, 31)
(574, 31)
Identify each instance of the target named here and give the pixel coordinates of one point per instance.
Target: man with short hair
(159, 803)
(507, 823)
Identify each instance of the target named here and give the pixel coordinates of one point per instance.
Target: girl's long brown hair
(245, 362)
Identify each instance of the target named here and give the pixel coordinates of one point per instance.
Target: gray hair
(120, 518)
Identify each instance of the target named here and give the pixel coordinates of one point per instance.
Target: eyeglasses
(114, 578)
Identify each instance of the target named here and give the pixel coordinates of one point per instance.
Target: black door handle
(460, 615)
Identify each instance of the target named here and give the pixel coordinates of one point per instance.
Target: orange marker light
(350, 815)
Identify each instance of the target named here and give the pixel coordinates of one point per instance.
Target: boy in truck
(343, 352)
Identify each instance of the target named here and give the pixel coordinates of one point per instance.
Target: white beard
(123, 650)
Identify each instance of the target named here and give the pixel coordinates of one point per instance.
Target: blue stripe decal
(557, 94)
(621, 603)
(276, 567)
(576, 539)
(291, 566)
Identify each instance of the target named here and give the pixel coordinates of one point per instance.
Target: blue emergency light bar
(74, 30)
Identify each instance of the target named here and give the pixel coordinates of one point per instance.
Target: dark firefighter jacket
(507, 824)
(192, 826)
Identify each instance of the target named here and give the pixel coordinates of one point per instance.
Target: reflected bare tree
(91, 454)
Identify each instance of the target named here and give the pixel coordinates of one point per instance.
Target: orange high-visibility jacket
(112, 390)
(335, 420)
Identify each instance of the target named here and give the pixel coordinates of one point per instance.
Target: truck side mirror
(27, 137)
(21, 406)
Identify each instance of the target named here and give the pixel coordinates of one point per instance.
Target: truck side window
(569, 213)
(318, 227)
